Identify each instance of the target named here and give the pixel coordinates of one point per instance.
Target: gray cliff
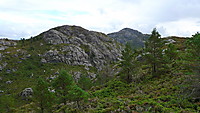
(78, 46)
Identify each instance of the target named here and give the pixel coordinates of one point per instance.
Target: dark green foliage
(105, 75)
(43, 97)
(77, 94)
(6, 103)
(111, 89)
(194, 50)
(154, 53)
(62, 85)
(171, 52)
(22, 41)
(67, 90)
(194, 45)
(171, 56)
(149, 96)
(129, 64)
(85, 82)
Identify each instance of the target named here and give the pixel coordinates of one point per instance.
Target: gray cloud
(23, 18)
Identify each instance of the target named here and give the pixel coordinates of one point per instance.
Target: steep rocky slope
(134, 37)
(80, 47)
(72, 45)
(80, 51)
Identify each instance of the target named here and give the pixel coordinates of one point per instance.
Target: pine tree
(154, 53)
(171, 55)
(77, 94)
(44, 98)
(129, 64)
(85, 82)
(62, 85)
(67, 90)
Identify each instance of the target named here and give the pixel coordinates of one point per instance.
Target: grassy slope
(153, 95)
(28, 68)
(162, 94)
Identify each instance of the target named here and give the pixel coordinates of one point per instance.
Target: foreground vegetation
(162, 77)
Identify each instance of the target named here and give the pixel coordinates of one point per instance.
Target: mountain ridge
(91, 58)
(73, 48)
(134, 37)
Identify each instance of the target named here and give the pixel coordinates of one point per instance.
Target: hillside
(80, 51)
(134, 37)
(69, 69)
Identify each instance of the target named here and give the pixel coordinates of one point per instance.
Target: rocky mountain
(74, 45)
(80, 47)
(80, 51)
(134, 37)
(35, 74)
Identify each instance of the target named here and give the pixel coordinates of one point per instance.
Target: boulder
(27, 92)
(43, 60)
(9, 82)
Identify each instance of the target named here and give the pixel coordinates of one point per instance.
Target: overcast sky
(26, 18)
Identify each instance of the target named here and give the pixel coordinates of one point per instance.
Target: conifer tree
(154, 53)
(77, 94)
(85, 82)
(44, 98)
(129, 64)
(62, 85)
(67, 90)
(171, 55)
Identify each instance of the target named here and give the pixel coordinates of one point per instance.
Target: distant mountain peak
(129, 30)
(132, 36)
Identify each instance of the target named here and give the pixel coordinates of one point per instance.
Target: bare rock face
(78, 46)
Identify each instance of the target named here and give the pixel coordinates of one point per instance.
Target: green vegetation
(43, 97)
(62, 84)
(154, 53)
(66, 90)
(194, 62)
(162, 77)
(129, 65)
(85, 82)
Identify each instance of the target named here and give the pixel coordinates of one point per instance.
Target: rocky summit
(63, 46)
(78, 46)
(134, 37)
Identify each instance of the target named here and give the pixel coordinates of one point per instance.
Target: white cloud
(183, 27)
(25, 18)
